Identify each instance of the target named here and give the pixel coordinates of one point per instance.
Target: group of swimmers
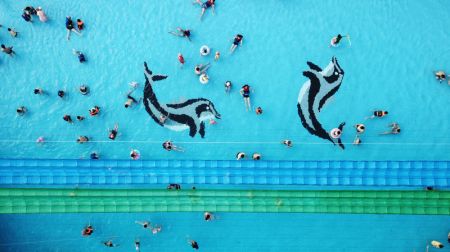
(361, 128)
(257, 156)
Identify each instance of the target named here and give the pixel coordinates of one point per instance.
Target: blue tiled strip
(23, 172)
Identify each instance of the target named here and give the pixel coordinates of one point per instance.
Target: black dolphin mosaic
(321, 86)
(190, 114)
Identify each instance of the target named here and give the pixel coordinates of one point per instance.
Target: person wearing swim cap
(360, 128)
(182, 33)
(228, 85)
(256, 156)
(113, 133)
(169, 146)
(245, 92)
(201, 69)
(21, 110)
(395, 129)
(238, 39)
(206, 5)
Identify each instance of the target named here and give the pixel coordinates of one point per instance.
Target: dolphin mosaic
(190, 114)
(315, 92)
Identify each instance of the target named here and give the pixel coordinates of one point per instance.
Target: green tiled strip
(96, 201)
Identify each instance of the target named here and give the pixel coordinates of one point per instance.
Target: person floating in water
(61, 93)
(181, 59)
(134, 154)
(137, 244)
(256, 156)
(228, 85)
(21, 110)
(70, 27)
(27, 17)
(12, 32)
(182, 33)
(378, 113)
(84, 90)
(8, 50)
(336, 40)
(38, 91)
(201, 69)
(80, 56)
(113, 133)
(80, 24)
(156, 229)
(360, 129)
(238, 39)
(259, 111)
(287, 143)
(193, 244)
(80, 118)
(94, 156)
(208, 216)
(144, 224)
(206, 5)
(110, 244)
(67, 118)
(131, 100)
(87, 231)
(169, 146)
(245, 92)
(440, 76)
(174, 186)
(395, 129)
(240, 155)
(437, 244)
(217, 56)
(41, 14)
(82, 139)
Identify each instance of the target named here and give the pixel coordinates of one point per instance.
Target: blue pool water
(395, 47)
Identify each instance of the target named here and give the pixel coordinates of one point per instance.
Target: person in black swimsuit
(206, 5)
(245, 92)
(182, 33)
(378, 113)
(236, 41)
(70, 28)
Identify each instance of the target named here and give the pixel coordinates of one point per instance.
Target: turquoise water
(230, 232)
(395, 46)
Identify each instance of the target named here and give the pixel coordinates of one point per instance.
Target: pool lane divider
(110, 173)
(38, 201)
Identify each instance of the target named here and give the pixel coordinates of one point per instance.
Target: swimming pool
(395, 47)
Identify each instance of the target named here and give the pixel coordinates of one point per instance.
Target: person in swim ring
(336, 40)
(84, 90)
(204, 50)
(182, 33)
(135, 155)
(181, 59)
(201, 69)
(335, 133)
(208, 216)
(256, 156)
(437, 244)
(80, 24)
(287, 143)
(228, 86)
(240, 155)
(217, 56)
(378, 113)
(238, 39)
(21, 110)
(204, 78)
(440, 76)
(110, 244)
(245, 92)
(94, 111)
(395, 129)
(113, 133)
(87, 231)
(206, 5)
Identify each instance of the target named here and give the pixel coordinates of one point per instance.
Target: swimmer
(201, 69)
(256, 156)
(228, 85)
(70, 28)
(38, 91)
(94, 111)
(173, 186)
(395, 129)
(137, 245)
(378, 113)
(208, 216)
(80, 55)
(94, 156)
(238, 39)
(437, 244)
(144, 224)
(259, 111)
(110, 244)
(206, 5)
(87, 231)
(440, 76)
(80, 24)
(448, 237)
(194, 244)
(245, 92)
(8, 50)
(134, 154)
(156, 229)
(133, 84)
(61, 93)
(30, 10)
(240, 155)
(27, 17)
(336, 40)
(41, 14)
(181, 59)
(337, 132)
(357, 140)
(182, 33)
(40, 140)
(217, 56)
(113, 132)
(84, 90)
(131, 100)
(204, 78)
(80, 118)
(12, 32)
(162, 119)
(67, 118)
(287, 143)
(21, 110)
(360, 128)
(82, 139)
(168, 146)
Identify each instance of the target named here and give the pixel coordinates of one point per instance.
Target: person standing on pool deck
(245, 92)
(182, 33)
(206, 5)
(238, 39)
(70, 28)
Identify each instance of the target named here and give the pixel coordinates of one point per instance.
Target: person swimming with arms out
(8, 50)
(395, 129)
(182, 33)
(131, 100)
(336, 40)
(144, 224)
(201, 69)
(206, 5)
(238, 39)
(245, 92)
(113, 133)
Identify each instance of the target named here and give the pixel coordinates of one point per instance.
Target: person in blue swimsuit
(245, 92)
(206, 5)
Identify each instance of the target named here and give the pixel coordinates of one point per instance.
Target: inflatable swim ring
(335, 133)
(136, 155)
(204, 79)
(204, 50)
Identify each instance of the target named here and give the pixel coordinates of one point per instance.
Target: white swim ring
(204, 50)
(335, 133)
(204, 79)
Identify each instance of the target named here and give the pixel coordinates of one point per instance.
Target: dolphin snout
(218, 116)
